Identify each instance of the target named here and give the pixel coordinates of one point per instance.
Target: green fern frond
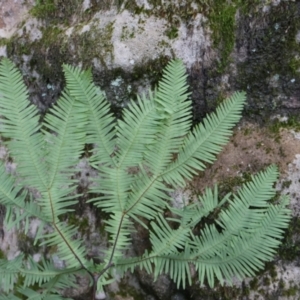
(147, 198)
(34, 295)
(191, 214)
(41, 273)
(139, 159)
(246, 252)
(245, 226)
(101, 128)
(113, 189)
(164, 239)
(14, 198)
(251, 229)
(119, 226)
(10, 296)
(9, 271)
(174, 113)
(68, 249)
(205, 141)
(135, 132)
(20, 123)
(67, 120)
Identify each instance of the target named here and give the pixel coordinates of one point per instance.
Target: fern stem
(142, 195)
(70, 247)
(116, 240)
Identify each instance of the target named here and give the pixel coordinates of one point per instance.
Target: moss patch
(222, 22)
(2, 254)
(56, 11)
(289, 249)
(82, 223)
(26, 244)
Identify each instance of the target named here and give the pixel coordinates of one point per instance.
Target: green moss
(292, 291)
(4, 42)
(254, 284)
(286, 184)
(153, 69)
(44, 8)
(50, 35)
(293, 122)
(56, 11)
(290, 248)
(50, 45)
(220, 15)
(89, 46)
(281, 284)
(26, 244)
(266, 281)
(294, 65)
(2, 254)
(126, 290)
(172, 32)
(57, 48)
(246, 291)
(231, 184)
(275, 126)
(81, 223)
(24, 49)
(220, 292)
(272, 270)
(222, 22)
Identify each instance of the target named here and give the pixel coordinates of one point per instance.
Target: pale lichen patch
(192, 39)
(136, 41)
(3, 51)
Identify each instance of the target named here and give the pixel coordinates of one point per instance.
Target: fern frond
(20, 123)
(150, 133)
(67, 120)
(164, 239)
(106, 278)
(68, 249)
(147, 197)
(113, 187)
(30, 294)
(100, 128)
(9, 271)
(135, 132)
(205, 141)
(119, 226)
(246, 252)
(138, 158)
(174, 113)
(14, 198)
(167, 241)
(251, 229)
(191, 214)
(34, 272)
(131, 194)
(34, 295)
(240, 256)
(10, 296)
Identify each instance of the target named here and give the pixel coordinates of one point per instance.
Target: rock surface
(225, 47)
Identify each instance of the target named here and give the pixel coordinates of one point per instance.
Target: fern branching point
(154, 139)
